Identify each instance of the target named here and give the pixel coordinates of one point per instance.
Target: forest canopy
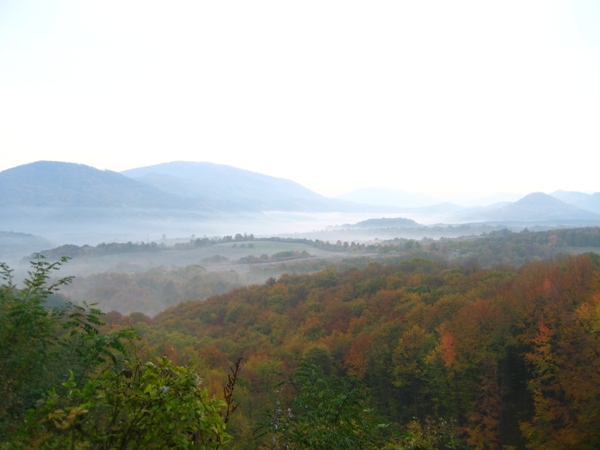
(417, 353)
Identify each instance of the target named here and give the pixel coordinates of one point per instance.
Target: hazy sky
(424, 96)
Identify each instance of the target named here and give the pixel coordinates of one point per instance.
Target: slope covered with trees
(413, 354)
(495, 357)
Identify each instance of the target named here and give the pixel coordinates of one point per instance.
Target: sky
(432, 96)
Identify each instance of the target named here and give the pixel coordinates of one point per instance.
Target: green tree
(66, 384)
(29, 345)
(326, 412)
(150, 405)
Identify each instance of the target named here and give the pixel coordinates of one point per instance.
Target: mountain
(570, 197)
(540, 206)
(231, 189)
(14, 246)
(80, 204)
(590, 202)
(54, 184)
(201, 188)
(75, 203)
(533, 208)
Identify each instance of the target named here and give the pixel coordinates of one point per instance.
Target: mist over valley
(179, 194)
(68, 203)
(242, 227)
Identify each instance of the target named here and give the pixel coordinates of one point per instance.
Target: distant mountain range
(199, 187)
(533, 208)
(589, 202)
(405, 199)
(227, 188)
(560, 207)
(51, 192)
(59, 184)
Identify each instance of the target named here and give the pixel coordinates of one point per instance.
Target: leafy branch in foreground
(151, 405)
(29, 340)
(111, 398)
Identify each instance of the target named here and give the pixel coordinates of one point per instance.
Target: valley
(409, 317)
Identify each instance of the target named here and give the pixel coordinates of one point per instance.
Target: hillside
(590, 202)
(433, 344)
(187, 186)
(542, 207)
(77, 204)
(68, 185)
(14, 246)
(416, 352)
(230, 189)
(536, 207)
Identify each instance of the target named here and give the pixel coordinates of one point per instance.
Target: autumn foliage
(444, 356)
(508, 356)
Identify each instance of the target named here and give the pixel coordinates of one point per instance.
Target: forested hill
(464, 358)
(417, 354)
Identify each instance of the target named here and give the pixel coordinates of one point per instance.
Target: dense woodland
(496, 347)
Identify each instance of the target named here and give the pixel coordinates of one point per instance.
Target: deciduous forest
(420, 352)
